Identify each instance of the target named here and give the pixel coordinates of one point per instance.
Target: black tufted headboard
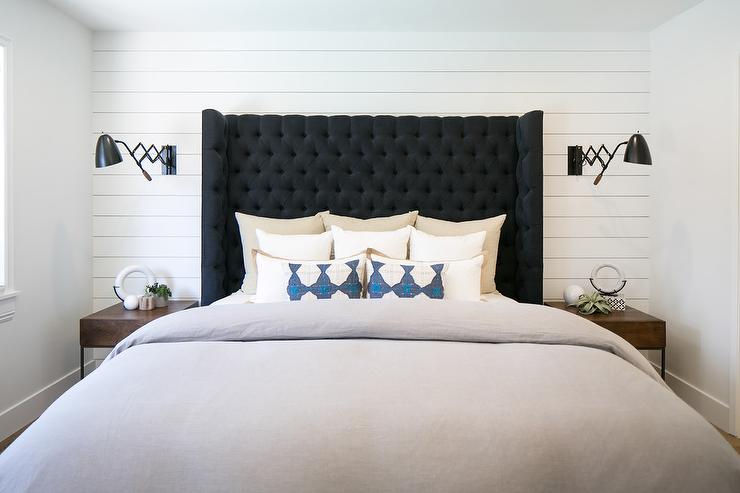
(453, 168)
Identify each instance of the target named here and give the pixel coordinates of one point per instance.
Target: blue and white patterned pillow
(404, 279)
(301, 280)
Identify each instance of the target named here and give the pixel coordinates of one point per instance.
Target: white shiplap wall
(151, 87)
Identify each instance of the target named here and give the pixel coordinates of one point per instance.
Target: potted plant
(592, 303)
(160, 292)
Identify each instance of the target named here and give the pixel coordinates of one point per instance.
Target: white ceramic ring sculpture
(121, 278)
(620, 285)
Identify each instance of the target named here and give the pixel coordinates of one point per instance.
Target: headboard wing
(452, 168)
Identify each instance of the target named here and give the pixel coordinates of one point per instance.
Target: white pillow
(314, 247)
(423, 246)
(302, 280)
(460, 278)
(391, 243)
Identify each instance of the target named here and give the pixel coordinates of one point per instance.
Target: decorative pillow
(492, 227)
(316, 247)
(248, 224)
(302, 280)
(388, 223)
(391, 243)
(423, 246)
(449, 280)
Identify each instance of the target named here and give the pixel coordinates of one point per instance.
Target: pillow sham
(388, 223)
(316, 247)
(423, 246)
(391, 243)
(492, 227)
(302, 280)
(449, 280)
(248, 224)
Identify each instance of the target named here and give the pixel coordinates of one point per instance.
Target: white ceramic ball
(131, 302)
(572, 293)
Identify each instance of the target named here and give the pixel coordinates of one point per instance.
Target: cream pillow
(248, 224)
(391, 243)
(290, 247)
(388, 223)
(492, 227)
(395, 278)
(423, 246)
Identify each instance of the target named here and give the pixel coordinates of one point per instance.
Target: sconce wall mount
(637, 152)
(108, 154)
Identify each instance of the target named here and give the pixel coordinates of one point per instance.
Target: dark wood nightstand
(109, 326)
(638, 328)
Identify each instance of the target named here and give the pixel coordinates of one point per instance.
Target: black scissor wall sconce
(107, 154)
(637, 152)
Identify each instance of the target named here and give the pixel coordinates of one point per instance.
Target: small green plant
(157, 289)
(592, 303)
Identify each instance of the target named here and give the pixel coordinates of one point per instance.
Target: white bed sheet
(240, 297)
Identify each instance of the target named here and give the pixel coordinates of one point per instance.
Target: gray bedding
(371, 396)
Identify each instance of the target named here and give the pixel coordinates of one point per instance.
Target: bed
(372, 395)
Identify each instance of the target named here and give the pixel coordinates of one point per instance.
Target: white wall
(593, 87)
(51, 201)
(694, 124)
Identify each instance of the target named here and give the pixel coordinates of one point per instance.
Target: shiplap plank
(190, 122)
(134, 227)
(596, 248)
(514, 103)
(209, 82)
(117, 205)
(580, 227)
(137, 185)
(596, 206)
(570, 268)
(181, 287)
(162, 267)
(187, 164)
(352, 41)
(373, 61)
(157, 246)
(635, 288)
(556, 186)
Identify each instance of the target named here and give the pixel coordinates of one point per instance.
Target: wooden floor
(6, 443)
(733, 441)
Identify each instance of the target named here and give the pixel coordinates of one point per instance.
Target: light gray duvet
(366, 396)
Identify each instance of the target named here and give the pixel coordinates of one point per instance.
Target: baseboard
(713, 410)
(19, 415)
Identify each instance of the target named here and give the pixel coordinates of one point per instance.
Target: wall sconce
(637, 152)
(107, 154)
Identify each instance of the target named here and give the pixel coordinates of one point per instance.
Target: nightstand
(109, 326)
(638, 328)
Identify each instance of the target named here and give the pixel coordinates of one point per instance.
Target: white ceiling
(373, 15)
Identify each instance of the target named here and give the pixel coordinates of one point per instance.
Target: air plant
(592, 303)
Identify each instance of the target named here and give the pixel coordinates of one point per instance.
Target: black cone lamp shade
(106, 152)
(637, 151)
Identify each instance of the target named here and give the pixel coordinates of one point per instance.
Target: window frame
(7, 287)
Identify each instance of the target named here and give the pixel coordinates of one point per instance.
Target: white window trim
(8, 292)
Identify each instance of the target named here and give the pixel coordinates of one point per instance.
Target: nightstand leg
(82, 362)
(662, 363)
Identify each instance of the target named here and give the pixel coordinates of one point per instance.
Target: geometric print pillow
(302, 280)
(389, 278)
